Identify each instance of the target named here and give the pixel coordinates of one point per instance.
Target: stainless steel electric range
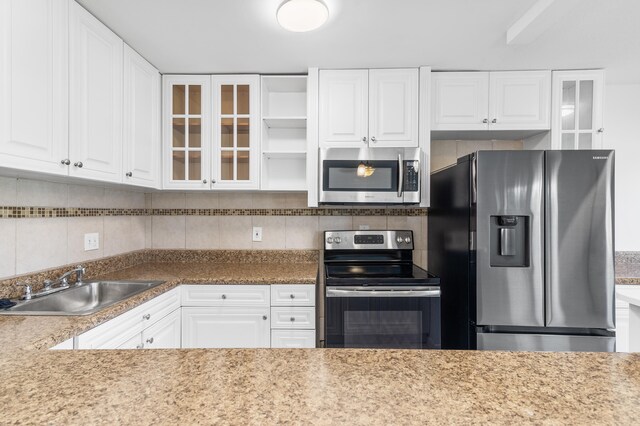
(375, 296)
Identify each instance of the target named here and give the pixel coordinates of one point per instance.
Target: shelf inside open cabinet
(286, 122)
(284, 171)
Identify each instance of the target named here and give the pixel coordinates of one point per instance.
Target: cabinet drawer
(293, 338)
(159, 307)
(225, 295)
(293, 318)
(293, 295)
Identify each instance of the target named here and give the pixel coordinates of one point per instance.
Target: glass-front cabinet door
(236, 131)
(186, 133)
(578, 109)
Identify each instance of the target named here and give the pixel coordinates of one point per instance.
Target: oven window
(383, 329)
(341, 175)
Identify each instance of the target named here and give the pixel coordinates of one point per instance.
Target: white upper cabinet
(236, 130)
(510, 100)
(142, 145)
(577, 109)
(520, 100)
(393, 107)
(34, 84)
(186, 132)
(96, 71)
(343, 108)
(375, 108)
(460, 100)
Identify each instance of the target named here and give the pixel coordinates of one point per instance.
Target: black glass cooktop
(377, 274)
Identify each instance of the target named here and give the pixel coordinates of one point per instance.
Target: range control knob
(407, 240)
(337, 240)
(329, 240)
(399, 240)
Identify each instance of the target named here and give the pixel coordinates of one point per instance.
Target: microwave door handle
(401, 173)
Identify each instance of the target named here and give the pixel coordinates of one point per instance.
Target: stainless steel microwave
(369, 176)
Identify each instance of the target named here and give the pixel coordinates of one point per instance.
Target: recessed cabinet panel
(460, 101)
(393, 108)
(96, 98)
(343, 109)
(226, 327)
(520, 100)
(164, 334)
(34, 85)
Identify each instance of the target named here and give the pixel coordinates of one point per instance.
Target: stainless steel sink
(85, 299)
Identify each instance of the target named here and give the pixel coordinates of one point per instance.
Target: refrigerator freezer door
(510, 183)
(545, 342)
(579, 239)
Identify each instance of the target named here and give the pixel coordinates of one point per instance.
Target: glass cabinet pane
(195, 101)
(226, 132)
(568, 105)
(226, 165)
(178, 132)
(226, 99)
(243, 165)
(178, 99)
(243, 99)
(568, 141)
(585, 141)
(178, 165)
(585, 113)
(195, 133)
(195, 165)
(243, 133)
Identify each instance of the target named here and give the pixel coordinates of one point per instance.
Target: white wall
(622, 115)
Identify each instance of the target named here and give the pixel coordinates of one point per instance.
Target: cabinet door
(236, 129)
(187, 132)
(95, 124)
(344, 102)
(164, 334)
(520, 100)
(141, 143)
(223, 327)
(293, 338)
(393, 108)
(34, 84)
(577, 109)
(135, 342)
(460, 100)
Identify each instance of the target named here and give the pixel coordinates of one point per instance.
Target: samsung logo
(596, 157)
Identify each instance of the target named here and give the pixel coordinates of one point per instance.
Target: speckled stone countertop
(319, 386)
(628, 273)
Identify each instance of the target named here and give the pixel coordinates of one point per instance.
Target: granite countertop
(628, 273)
(319, 386)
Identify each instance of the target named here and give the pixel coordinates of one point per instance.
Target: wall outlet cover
(257, 233)
(91, 241)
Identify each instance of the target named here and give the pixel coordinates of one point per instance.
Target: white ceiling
(242, 36)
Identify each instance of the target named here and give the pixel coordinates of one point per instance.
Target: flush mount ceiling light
(302, 15)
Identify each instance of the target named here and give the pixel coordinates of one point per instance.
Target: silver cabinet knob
(293, 296)
(601, 130)
(139, 347)
(66, 162)
(292, 319)
(78, 164)
(373, 139)
(224, 296)
(150, 341)
(264, 317)
(213, 181)
(204, 181)
(485, 121)
(146, 317)
(495, 120)
(364, 139)
(129, 174)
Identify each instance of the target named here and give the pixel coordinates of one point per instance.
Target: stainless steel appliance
(378, 175)
(523, 243)
(375, 296)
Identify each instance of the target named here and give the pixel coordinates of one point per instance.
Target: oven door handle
(373, 292)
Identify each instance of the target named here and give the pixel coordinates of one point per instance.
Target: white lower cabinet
(164, 334)
(67, 344)
(135, 342)
(225, 327)
(293, 338)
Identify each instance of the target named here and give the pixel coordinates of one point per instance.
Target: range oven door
(370, 176)
(383, 317)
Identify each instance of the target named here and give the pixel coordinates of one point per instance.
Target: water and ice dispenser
(510, 241)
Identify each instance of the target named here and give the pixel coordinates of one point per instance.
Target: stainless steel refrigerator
(523, 243)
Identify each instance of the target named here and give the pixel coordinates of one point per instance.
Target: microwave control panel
(411, 178)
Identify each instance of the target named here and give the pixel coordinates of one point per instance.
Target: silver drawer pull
(150, 340)
(292, 319)
(139, 347)
(264, 317)
(147, 316)
(293, 296)
(224, 296)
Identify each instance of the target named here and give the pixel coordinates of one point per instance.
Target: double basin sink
(85, 299)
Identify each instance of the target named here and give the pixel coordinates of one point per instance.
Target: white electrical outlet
(91, 241)
(363, 227)
(257, 233)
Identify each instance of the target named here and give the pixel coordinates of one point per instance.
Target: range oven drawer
(383, 318)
